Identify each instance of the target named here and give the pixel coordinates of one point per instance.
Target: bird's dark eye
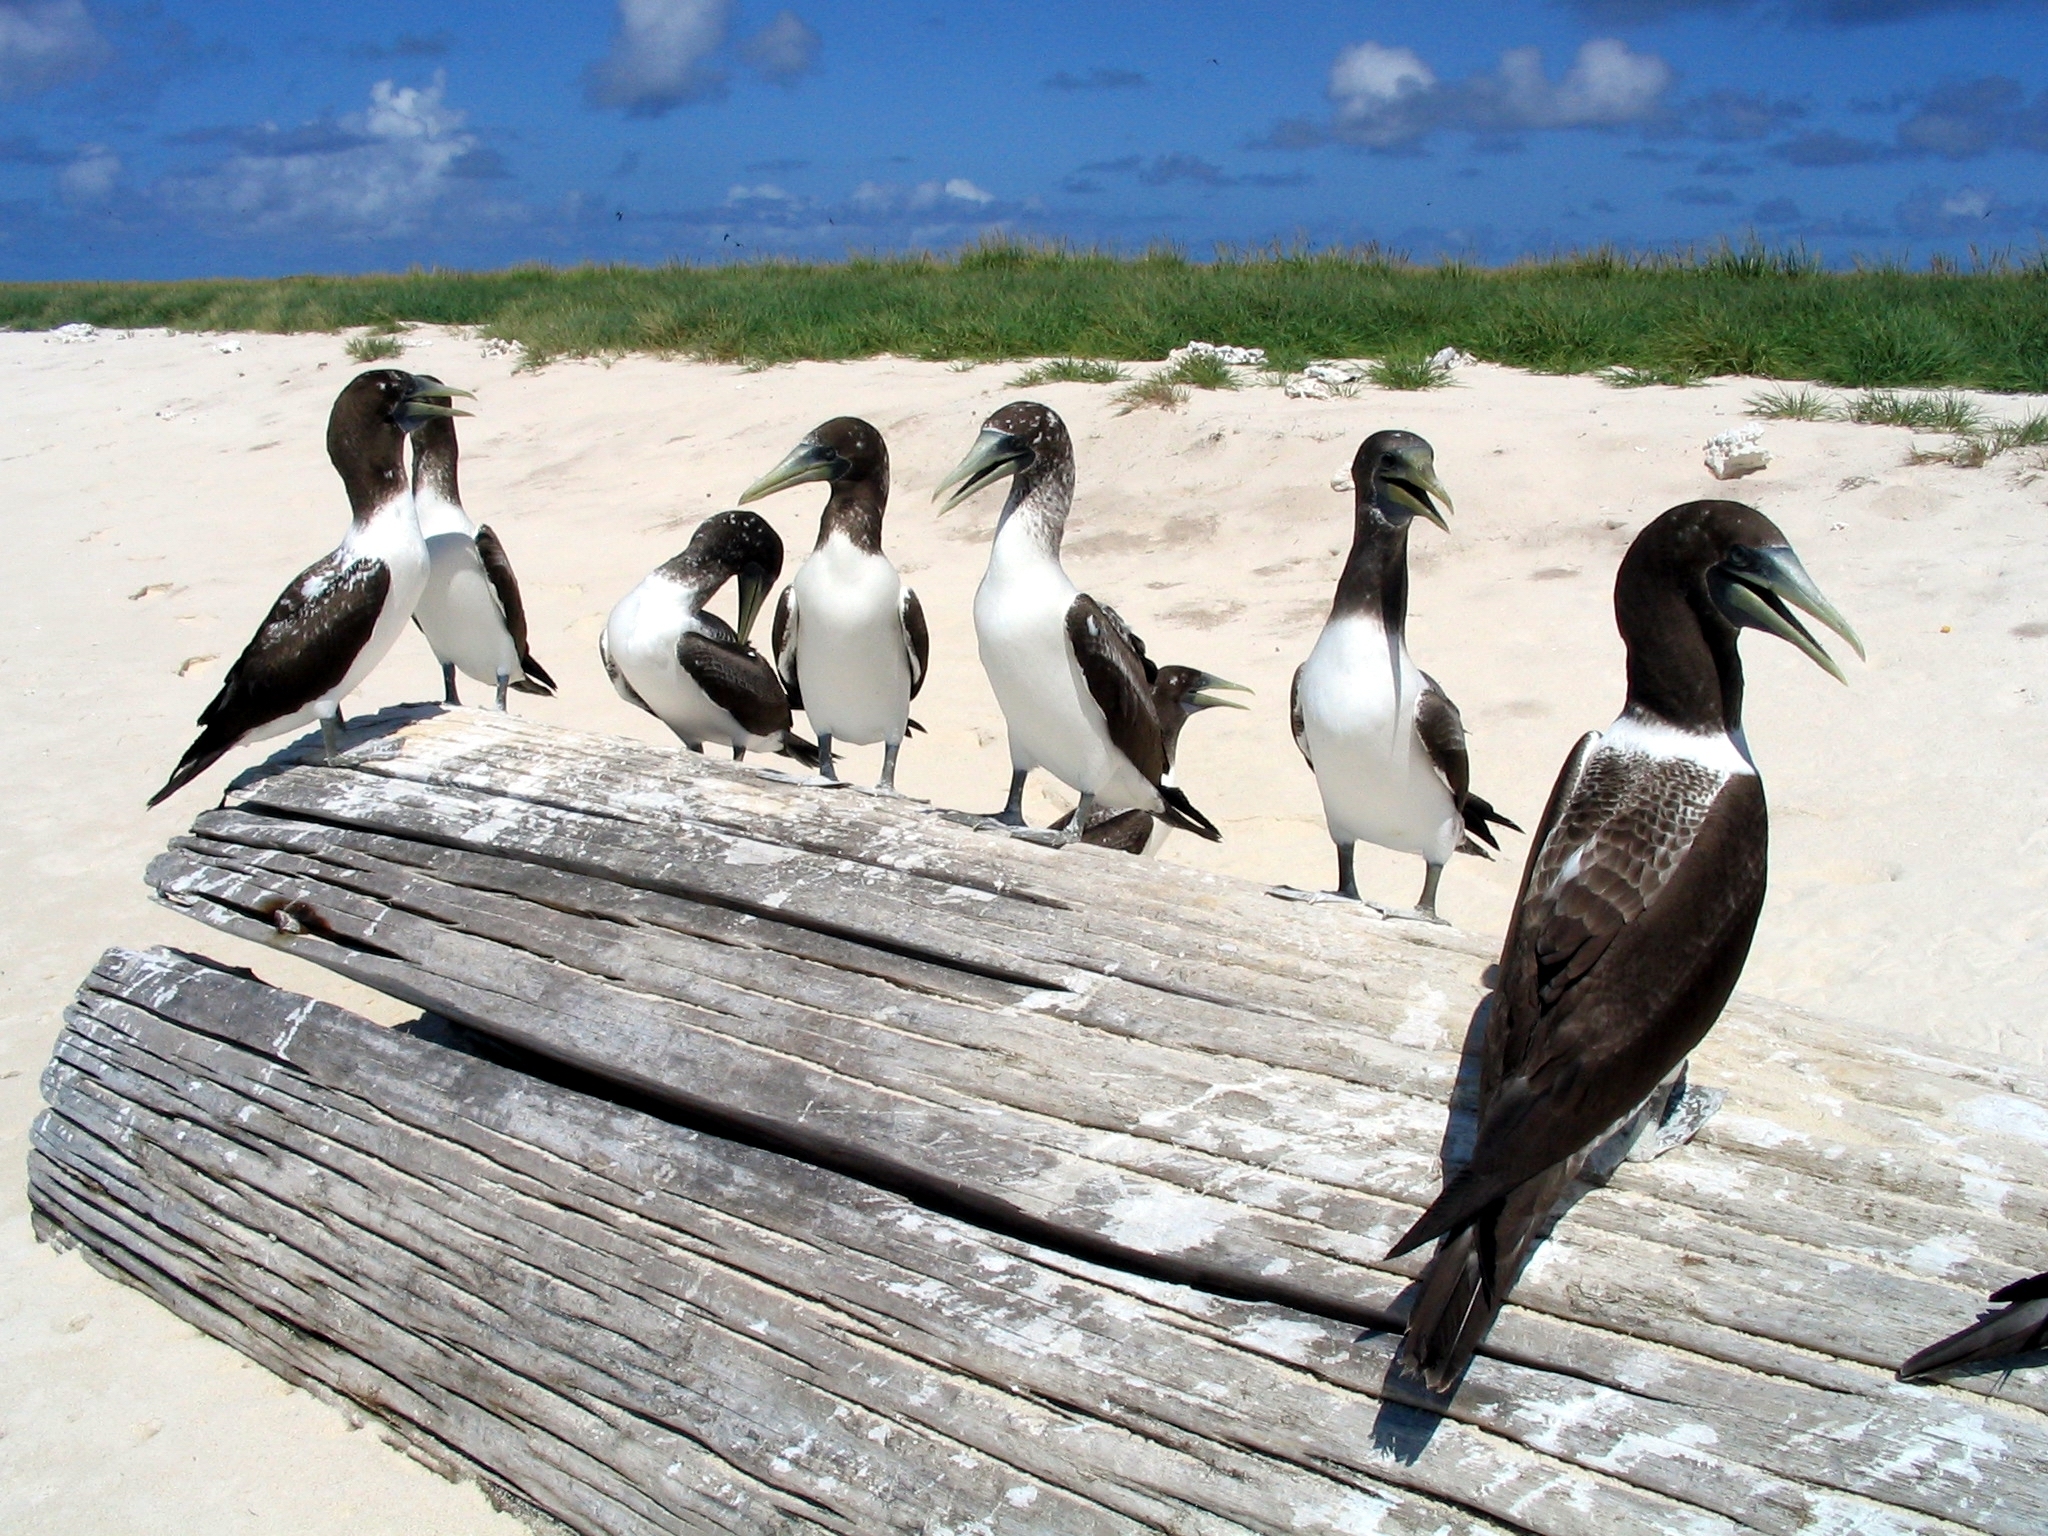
(1387, 461)
(1741, 559)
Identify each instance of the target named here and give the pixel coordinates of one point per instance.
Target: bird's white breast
(1377, 782)
(851, 664)
(1020, 622)
(641, 635)
(1718, 751)
(391, 536)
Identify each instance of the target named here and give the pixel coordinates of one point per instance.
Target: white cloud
(660, 55)
(89, 178)
(782, 50)
(1385, 97)
(44, 43)
(380, 172)
(1368, 83)
(1970, 203)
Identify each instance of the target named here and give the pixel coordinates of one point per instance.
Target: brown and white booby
(1073, 691)
(1386, 744)
(2016, 1328)
(470, 611)
(1178, 695)
(849, 637)
(1637, 906)
(690, 669)
(328, 630)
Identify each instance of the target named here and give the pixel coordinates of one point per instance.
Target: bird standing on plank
(1072, 687)
(1636, 909)
(470, 610)
(849, 638)
(328, 630)
(1385, 743)
(690, 669)
(2019, 1326)
(1178, 695)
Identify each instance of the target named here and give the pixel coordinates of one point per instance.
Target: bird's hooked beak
(1198, 697)
(426, 398)
(1752, 587)
(809, 460)
(1411, 484)
(994, 455)
(754, 584)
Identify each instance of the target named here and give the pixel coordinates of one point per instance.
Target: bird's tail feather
(2009, 1331)
(210, 748)
(1468, 1280)
(1180, 812)
(801, 748)
(536, 679)
(1478, 815)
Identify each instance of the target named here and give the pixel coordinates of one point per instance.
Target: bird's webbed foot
(1684, 1109)
(1296, 893)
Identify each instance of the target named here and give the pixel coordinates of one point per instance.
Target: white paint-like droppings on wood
(745, 851)
(1683, 1442)
(1163, 1221)
(2004, 1115)
(1941, 1254)
(1354, 1514)
(1421, 1027)
(1021, 1497)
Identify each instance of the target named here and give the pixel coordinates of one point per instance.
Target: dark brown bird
(1637, 906)
(1178, 695)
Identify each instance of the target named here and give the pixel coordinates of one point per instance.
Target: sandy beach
(160, 489)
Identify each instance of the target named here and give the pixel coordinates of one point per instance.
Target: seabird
(850, 639)
(470, 611)
(1178, 695)
(1386, 744)
(328, 630)
(1073, 690)
(2014, 1329)
(690, 669)
(1636, 910)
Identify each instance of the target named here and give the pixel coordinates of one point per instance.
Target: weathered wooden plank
(1242, 1167)
(634, 1264)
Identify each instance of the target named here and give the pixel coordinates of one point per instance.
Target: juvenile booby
(690, 669)
(1385, 743)
(2014, 1329)
(1073, 691)
(1637, 905)
(470, 611)
(1178, 695)
(328, 630)
(850, 640)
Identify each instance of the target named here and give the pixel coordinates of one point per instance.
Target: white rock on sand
(160, 491)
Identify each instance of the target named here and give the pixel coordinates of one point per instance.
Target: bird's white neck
(438, 514)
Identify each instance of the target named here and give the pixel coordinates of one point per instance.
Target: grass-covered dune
(1660, 319)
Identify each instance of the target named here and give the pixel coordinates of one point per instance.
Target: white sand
(157, 492)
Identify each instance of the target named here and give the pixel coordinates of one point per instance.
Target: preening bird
(2014, 1329)
(690, 669)
(1178, 695)
(470, 610)
(1386, 744)
(1073, 690)
(850, 640)
(328, 630)
(1637, 906)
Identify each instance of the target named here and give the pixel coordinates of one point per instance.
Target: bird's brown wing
(738, 679)
(917, 640)
(1636, 914)
(1116, 680)
(1294, 718)
(1442, 730)
(505, 586)
(783, 642)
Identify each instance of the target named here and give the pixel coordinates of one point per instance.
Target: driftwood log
(842, 1168)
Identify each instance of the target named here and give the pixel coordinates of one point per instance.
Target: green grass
(1201, 370)
(1797, 404)
(1069, 370)
(1155, 389)
(1768, 314)
(1412, 372)
(370, 349)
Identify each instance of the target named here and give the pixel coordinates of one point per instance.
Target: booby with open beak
(1385, 742)
(1636, 910)
(1178, 695)
(2019, 1326)
(470, 611)
(850, 640)
(1073, 690)
(328, 630)
(690, 669)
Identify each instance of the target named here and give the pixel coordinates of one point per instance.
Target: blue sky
(174, 140)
